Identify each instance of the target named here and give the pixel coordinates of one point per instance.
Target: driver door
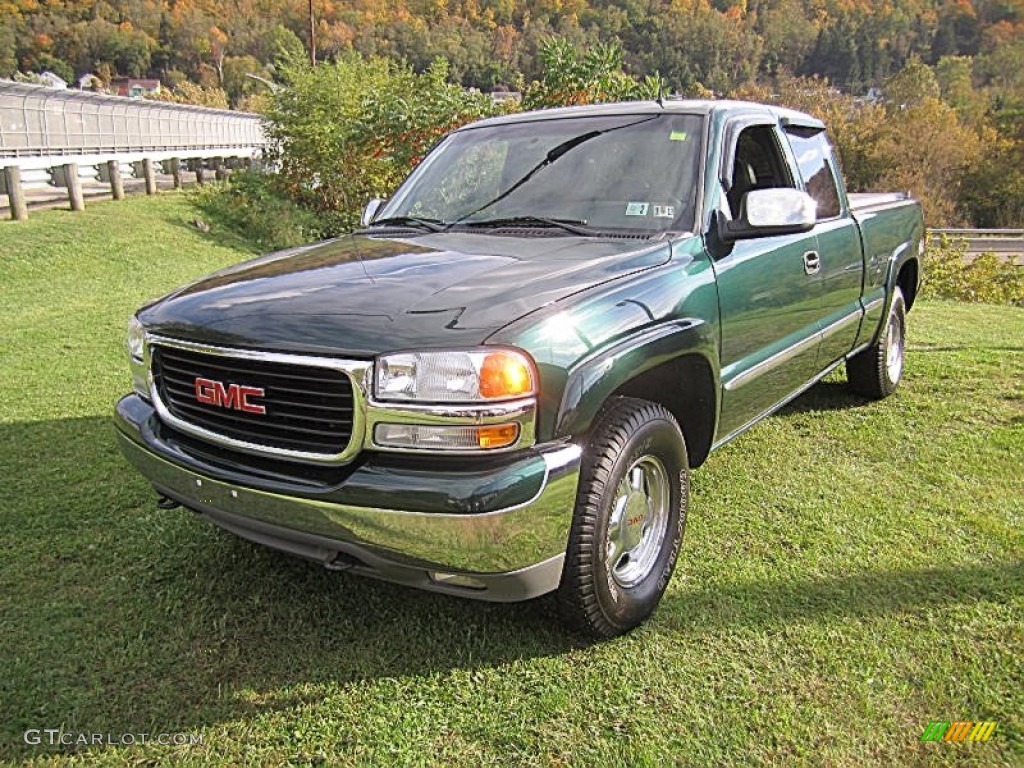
(769, 292)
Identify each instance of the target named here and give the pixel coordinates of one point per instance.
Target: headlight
(480, 375)
(136, 338)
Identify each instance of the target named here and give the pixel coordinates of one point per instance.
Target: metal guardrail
(1007, 244)
(71, 135)
(972, 233)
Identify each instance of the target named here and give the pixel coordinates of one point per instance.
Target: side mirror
(767, 212)
(370, 211)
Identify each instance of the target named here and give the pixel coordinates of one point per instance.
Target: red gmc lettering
(243, 400)
(229, 397)
(233, 396)
(206, 391)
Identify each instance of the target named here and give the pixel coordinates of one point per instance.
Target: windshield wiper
(576, 226)
(431, 225)
(551, 156)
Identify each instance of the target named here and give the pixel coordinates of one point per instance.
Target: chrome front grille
(304, 410)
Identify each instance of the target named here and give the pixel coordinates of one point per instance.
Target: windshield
(623, 174)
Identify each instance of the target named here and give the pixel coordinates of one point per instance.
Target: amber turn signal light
(505, 374)
(457, 437)
(497, 436)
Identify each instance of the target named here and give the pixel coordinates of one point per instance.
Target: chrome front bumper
(509, 553)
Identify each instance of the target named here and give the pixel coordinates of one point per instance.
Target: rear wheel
(877, 371)
(629, 519)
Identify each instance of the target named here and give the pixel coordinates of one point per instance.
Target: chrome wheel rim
(638, 523)
(894, 349)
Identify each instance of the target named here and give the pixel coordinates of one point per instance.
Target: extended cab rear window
(814, 159)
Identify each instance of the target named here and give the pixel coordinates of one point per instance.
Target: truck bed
(866, 201)
(890, 223)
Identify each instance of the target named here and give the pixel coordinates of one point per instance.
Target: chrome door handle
(812, 262)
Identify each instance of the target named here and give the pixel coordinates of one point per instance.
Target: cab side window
(758, 165)
(814, 159)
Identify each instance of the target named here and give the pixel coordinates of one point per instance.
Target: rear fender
(878, 301)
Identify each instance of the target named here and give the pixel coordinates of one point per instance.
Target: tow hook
(340, 562)
(162, 502)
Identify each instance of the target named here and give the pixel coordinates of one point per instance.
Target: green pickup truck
(497, 387)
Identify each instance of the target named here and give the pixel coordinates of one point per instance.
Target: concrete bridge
(80, 142)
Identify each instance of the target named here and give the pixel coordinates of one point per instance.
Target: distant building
(134, 87)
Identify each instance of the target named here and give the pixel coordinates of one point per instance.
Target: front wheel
(877, 371)
(629, 519)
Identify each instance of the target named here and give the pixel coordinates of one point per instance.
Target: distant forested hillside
(926, 95)
(720, 45)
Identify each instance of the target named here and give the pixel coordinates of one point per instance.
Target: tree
(957, 32)
(924, 147)
(788, 35)
(48, 63)
(279, 46)
(956, 88)
(570, 77)
(190, 93)
(835, 54)
(912, 85)
(992, 193)
(8, 46)
(235, 80)
(218, 51)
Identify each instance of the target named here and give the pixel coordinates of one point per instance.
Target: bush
(250, 205)
(988, 279)
(352, 130)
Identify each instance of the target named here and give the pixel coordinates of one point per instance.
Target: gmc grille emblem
(234, 396)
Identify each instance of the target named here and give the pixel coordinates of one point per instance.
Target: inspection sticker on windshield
(677, 136)
(665, 211)
(637, 209)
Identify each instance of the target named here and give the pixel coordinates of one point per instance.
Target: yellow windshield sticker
(677, 136)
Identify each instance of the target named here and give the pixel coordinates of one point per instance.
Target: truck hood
(360, 296)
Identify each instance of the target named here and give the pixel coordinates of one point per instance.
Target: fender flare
(596, 378)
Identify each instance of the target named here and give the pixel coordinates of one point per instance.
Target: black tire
(878, 370)
(603, 592)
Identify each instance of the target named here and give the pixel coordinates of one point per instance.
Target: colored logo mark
(962, 730)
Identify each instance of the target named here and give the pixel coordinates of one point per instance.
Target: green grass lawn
(850, 572)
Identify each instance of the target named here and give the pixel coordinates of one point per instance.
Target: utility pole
(312, 35)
